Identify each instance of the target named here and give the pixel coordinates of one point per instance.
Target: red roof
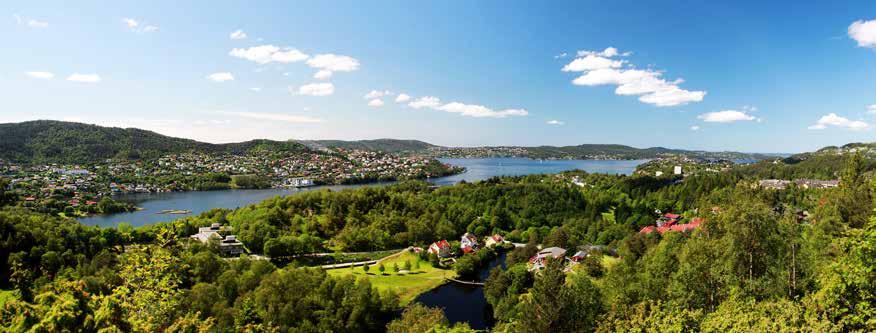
(673, 227)
(672, 216)
(467, 249)
(442, 244)
(647, 230)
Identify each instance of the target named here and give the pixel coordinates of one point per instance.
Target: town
(79, 189)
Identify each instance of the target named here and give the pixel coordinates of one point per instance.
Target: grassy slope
(407, 286)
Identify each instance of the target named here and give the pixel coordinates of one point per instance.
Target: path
(368, 262)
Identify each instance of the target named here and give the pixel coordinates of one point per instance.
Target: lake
(200, 201)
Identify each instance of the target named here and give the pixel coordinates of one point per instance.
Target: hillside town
(80, 186)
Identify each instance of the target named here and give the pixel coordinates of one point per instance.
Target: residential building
(440, 248)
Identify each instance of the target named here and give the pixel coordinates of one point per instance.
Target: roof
(555, 252)
(441, 244)
(672, 216)
(580, 254)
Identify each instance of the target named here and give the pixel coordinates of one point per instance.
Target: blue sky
(729, 75)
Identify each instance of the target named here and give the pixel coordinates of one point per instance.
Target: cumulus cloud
(237, 34)
(871, 109)
(84, 78)
(40, 75)
(832, 119)
(425, 102)
(375, 102)
(591, 62)
(264, 54)
(323, 74)
(726, 116)
(479, 111)
(317, 89)
(330, 63)
(221, 77)
(863, 32)
(694, 128)
(555, 122)
(376, 94)
(601, 68)
(131, 23)
(401, 98)
(276, 117)
(469, 110)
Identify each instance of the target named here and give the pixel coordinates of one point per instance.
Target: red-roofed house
(440, 248)
(694, 224)
(493, 240)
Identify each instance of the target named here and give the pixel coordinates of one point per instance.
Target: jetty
(471, 283)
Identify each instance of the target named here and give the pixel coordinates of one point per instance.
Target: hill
(384, 145)
(47, 141)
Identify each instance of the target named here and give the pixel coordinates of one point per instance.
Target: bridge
(471, 283)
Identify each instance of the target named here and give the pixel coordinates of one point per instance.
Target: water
(463, 302)
(198, 202)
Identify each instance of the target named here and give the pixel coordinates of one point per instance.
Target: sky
(753, 76)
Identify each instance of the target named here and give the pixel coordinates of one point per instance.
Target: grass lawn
(7, 295)
(406, 285)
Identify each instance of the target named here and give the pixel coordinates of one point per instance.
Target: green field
(406, 285)
(7, 295)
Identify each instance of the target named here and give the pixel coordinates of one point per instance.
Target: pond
(464, 302)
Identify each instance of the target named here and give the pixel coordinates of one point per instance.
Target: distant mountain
(47, 141)
(384, 145)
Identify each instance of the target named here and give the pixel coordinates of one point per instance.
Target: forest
(793, 260)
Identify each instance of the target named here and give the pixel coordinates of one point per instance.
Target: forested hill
(585, 150)
(47, 141)
(384, 145)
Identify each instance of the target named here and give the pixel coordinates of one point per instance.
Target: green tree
(381, 268)
(417, 318)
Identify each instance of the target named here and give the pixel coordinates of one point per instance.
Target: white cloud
(138, 27)
(264, 54)
(317, 89)
(832, 119)
(863, 32)
(591, 62)
(726, 116)
(40, 75)
(276, 117)
(469, 110)
(237, 34)
(401, 98)
(37, 24)
(479, 111)
(323, 74)
(694, 128)
(255, 89)
(608, 53)
(334, 63)
(561, 55)
(221, 77)
(555, 122)
(84, 78)
(599, 68)
(376, 94)
(375, 103)
(131, 23)
(425, 102)
(871, 109)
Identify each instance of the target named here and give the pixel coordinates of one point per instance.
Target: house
(676, 170)
(231, 246)
(205, 233)
(579, 256)
(493, 240)
(440, 248)
(666, 227)
(668, 219)
(468, 243)
(539, 260)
